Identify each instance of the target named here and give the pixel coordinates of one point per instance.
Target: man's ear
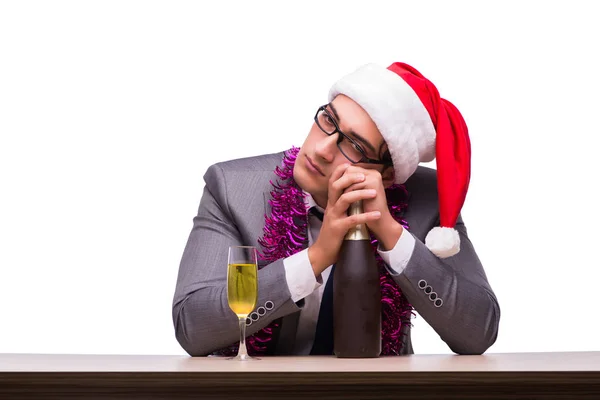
(388, 176)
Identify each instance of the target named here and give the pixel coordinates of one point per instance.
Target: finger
(345, 181)
(363, 218)
(372, 181)
(339, 171)
(332, 194)
(353, 169)
(357, 186)
(341, 206)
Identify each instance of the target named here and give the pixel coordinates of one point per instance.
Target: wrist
(387, 233)
(318, 260)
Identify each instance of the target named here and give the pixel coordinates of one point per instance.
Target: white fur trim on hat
(398, 113)
(443, 242)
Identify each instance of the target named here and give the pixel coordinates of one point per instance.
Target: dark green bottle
(356, 296)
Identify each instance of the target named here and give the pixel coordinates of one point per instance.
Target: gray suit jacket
(231, 212)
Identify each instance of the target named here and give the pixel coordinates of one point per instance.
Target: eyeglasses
(348, 146)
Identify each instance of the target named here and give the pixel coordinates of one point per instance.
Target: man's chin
(305, 181)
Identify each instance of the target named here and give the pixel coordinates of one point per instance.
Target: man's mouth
(315, 166)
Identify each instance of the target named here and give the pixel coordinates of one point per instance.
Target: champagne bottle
(356, 295)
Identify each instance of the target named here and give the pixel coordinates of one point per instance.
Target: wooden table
(494, 376)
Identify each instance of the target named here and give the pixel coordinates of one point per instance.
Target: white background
(111, 111)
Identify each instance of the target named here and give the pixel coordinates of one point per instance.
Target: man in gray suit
(365, 144)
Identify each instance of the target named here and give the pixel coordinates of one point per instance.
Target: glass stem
(242, 348)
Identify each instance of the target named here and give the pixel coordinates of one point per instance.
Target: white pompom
(443, 242)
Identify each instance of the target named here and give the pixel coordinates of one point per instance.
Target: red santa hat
(418, 126)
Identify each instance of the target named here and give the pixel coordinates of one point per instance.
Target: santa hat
(418, 126)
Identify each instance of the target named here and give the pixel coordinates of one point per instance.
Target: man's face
(320, 154)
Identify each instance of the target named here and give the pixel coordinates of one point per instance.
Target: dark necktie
(323, 344)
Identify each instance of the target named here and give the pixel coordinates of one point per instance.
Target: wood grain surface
(491, 376)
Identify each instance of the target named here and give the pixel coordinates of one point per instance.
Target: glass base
(243, 357)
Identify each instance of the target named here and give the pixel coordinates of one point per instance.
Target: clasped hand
(348, 184)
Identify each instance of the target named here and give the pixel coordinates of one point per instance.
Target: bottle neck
(360, 231)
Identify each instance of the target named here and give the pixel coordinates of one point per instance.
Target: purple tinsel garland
(285, 234)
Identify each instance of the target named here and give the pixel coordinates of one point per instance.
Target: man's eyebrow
(354, 134)
(334, 111)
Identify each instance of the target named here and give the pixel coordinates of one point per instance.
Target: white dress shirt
(303, 284)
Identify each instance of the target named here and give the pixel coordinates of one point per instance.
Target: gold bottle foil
(360, 231)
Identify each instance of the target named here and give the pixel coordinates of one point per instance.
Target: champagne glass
(242, 290)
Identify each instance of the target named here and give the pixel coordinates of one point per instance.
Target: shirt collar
(310, 202)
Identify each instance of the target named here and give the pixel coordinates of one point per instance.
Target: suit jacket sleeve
(453, 295)
(202, 318)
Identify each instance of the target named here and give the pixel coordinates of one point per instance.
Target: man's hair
(387, 157)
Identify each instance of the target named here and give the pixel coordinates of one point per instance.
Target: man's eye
(327, 119)
(357, 147)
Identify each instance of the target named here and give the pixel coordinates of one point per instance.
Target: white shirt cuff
(397, 258)
(300, 276)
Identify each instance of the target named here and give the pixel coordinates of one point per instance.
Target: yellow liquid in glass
(242, 288)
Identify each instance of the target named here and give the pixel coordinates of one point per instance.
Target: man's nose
(326, 147)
